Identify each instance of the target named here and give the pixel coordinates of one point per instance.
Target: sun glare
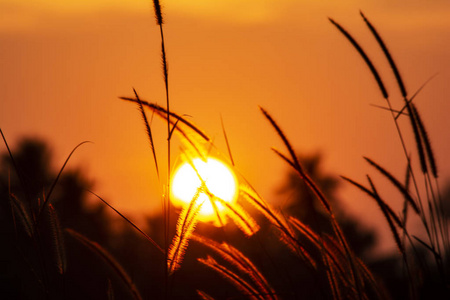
(219, 180)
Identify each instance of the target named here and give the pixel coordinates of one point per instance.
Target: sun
(219, 180)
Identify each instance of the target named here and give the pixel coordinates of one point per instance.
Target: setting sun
(219, 180)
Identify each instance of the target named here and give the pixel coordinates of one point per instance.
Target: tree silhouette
(32, 237)
(30, 173)
(30, 261)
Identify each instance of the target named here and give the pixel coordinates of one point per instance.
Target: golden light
(219, 180)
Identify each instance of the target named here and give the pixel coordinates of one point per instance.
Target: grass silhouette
(327, 257)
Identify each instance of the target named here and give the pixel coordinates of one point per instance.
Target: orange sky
(63, 65)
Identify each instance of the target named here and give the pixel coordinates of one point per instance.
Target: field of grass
(253, 251)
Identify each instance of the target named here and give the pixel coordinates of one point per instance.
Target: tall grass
(347, 264)
(346, 274)
(43, 239)
(329, 257)
(428, 207)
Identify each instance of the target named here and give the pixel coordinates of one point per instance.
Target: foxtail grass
(237, 259)
(21, 213)
(287, 235)
(58, 240)
(185, 227)
(204, 296)
(166, 206)
(428, 207)
(293, 162)
(347, 276)
(395, 182)
(246, 288)
(31, 215)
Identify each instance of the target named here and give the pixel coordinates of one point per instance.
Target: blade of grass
(426, 246)
(320, 196)
(174, 127)
(388, 109)
(383, 206)
(407, 182)
(247, 289)
(332, 279)
(149, 131)
(318, 242)
(378, 199)
(19, 174)
(415, 94)
(287, 235)
(293, 161)
(109, 259)
(49, 194)
(226, 141)
(162, 112)
(129, 222)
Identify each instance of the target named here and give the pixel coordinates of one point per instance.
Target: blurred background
(64, 64)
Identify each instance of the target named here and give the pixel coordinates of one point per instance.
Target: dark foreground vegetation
(55, 246)
(57, 265)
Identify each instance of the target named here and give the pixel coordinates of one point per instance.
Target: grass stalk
(320, 196)
(48, 195)
(241, 284)
(226, 141)
(109, 259)
(420, 134)
(383, 206)
(159, 22)
(21, 178)
(432, 218)
(163, 113)
(395, 182)
(129, 222)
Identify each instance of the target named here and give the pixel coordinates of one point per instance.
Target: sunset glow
(219, 180)
(65, 63)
